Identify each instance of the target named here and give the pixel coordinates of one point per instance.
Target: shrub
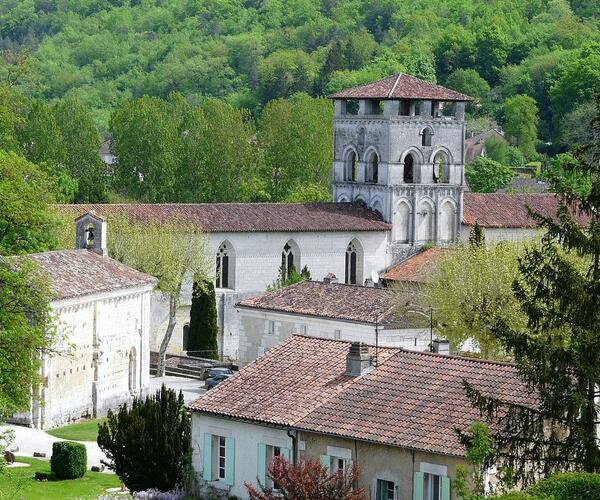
(69, 460)
(567, 486)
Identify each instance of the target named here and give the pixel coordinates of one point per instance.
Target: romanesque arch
(411, 159)
(447, 221)
(402, 216)
(425, 219)
(351, 164)
(225, 266)
(354, 263)
(441, 159)
(372, 166)
(426, 136)
(376, 205)
(342, 199)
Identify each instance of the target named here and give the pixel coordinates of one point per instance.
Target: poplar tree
(558, 353)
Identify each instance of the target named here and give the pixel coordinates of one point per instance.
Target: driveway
(27, 441)
(192, 388)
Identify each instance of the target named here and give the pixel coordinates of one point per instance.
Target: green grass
(81, 431)
(20, 483)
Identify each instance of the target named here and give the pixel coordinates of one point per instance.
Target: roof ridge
(453, 356)
(391, 92)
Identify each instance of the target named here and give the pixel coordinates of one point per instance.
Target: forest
(225, 100)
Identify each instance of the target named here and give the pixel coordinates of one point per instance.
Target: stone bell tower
(399, 148)
(90, 233)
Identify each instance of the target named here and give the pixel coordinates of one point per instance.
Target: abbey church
(398, 183)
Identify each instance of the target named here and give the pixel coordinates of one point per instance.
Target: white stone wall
(255, 338)
(90, 371)
(246, 439)
(495, 235)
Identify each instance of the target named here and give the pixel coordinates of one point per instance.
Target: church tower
(399, 148)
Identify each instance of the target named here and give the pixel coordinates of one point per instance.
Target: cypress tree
(558, 354)
(476, 236)
(204, 329)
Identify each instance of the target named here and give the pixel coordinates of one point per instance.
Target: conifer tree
(203, 322)
(558, 353)
(476, 236)
(148, 444)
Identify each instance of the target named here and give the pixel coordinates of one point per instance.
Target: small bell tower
(90, 233)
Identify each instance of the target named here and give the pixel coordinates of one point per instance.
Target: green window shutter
(445, 488)
(229, 460)
(262, 464)
(418, 486)
(326, 461)
(285, 453)
(207, 458)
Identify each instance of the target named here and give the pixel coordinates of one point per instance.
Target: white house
(102, 314)
(332, 400)
(327, 310)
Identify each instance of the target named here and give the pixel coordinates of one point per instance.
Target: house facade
(101, 310)
(333, 401)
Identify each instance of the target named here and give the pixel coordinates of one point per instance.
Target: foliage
(86, 430)
(26, 331)
(471, 290)
(169, 251)
(149, 445)
(25, 192)
(485, 175)
(564, 166)
(520, 123)
(309, 193)
(204, 329)
(501, 151)
(564, 486)
(69, 459)
(20, 482)
(286, 279)
(479, 447)
(555, 350)
(477, 236)
(468, 82)
(308, 479)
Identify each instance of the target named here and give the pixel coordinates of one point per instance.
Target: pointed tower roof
(401, 86)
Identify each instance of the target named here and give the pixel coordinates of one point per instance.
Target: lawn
(81, 431)
(20, 483)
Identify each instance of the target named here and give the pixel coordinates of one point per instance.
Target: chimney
(330, 278)
(441, 346)
(90, 233)
(358, 360)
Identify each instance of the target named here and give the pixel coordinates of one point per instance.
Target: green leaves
(485, 175)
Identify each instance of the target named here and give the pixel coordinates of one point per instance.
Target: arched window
(132, 371)
(223, 271)
(447, 221)
(351, 167)
(362, 137)
(409, 169)
(289, 260)
(373, 168)
(425, 218)
(427, 134)
(354, 263)
(185, 341)
(402, 222)
(441, 168)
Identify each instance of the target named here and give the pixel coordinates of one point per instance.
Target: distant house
(475, 145)
(106, 154)
(326, 310)
(102, 314)
(396, 415)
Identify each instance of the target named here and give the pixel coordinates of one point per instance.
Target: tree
(491, 51)
(169, 250)
(520, 123)
(485, 175)
(289, 278)
(470, 289)
(285, 72)
(477, 236)
(564, 167)
(26, 331)
(204, 329)
(149, 444)
(25, 193)
(308, 479)
(82, 141)
(469, 82)
(556, 350)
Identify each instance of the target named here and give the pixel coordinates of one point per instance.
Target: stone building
(102, 315)
(396, 416)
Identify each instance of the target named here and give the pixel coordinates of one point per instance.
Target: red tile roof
(401, 86)
(327, 300)
(416, 268)
(76, 273)
(498, 210)
(411, 400)
(248, 217)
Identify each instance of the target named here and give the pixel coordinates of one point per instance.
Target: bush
(568, 486)
(69, 460)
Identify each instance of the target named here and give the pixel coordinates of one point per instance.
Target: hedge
(561, 486)
(69, 459)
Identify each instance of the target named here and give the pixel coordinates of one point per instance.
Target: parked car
(216, 380)
(212, 372)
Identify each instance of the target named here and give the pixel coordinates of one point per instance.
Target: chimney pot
(358, 360)
(441, 346)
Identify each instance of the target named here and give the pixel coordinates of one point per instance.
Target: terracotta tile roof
(401, 86)
(285, 384)
(327, 300)
(76, 273)
(416, 268)
(248, 217)
(412, 400)
(509, 210)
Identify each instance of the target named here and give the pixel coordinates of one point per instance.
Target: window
(427, 134)
(432, 487)
(441, 168)
(303, 329)
(272, 452)
(221, 459)
(351, 167)
(404, 108)
(222, 273)
(271, 328)
(185, 341)
(351, 264)
(338, 464)
(132, 371)
(409, 169)
(287, 259)
(337, 334)
(385, 490)
(373, 168)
